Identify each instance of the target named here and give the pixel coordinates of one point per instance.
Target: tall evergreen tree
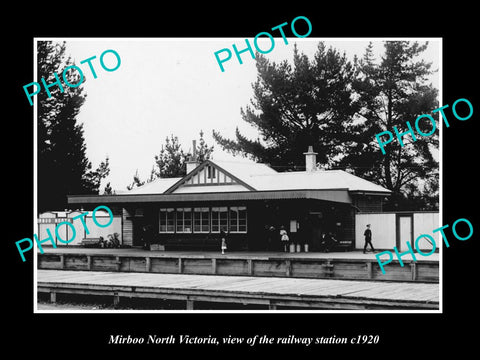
(309, 103)
(63, 167)
(171, 159)
(390, 93)
(170, 162)
(203, 150)
(94, 178)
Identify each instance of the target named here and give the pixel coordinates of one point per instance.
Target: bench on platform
(90, 242)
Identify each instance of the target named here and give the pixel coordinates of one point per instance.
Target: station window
(167, 220)
(238, 219)
(184, 220)
(219, 219)
(201, 220)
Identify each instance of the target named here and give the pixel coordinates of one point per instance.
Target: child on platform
(224, 241)
(284, 238)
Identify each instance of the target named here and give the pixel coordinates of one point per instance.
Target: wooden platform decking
(344, 265)
(266, 291)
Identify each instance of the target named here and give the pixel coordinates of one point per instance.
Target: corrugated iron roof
(243, 169)
(315, 180)
(261, 177)
(261, 181)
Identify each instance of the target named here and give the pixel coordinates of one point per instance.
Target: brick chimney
(310, 160)
(192, 163)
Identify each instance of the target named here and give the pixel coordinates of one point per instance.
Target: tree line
(329, 102)
(63, 167)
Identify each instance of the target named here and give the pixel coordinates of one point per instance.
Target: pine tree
(171, 161)
(94, 178)
(309, 103)
(203, 151)
(63, 167)
(391, 93)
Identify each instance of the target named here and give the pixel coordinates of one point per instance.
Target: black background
(413, 335)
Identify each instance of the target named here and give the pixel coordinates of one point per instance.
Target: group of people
(327, 242)
(273, 237)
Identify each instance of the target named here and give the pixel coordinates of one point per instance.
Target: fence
(395, 229)
(49, 220)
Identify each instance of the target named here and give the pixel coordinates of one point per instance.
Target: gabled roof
(200, 167)
(260, 177)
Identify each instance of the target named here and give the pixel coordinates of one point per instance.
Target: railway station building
(249, 201)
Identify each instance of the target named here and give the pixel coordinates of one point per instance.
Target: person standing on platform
(223, 236)
(368, 239)
(284, 238)
(323, 242)
(327, 241)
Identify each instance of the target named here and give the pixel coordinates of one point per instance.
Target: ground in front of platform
(66, 302)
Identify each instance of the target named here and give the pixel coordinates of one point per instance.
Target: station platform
(270, 293)
(317, 265)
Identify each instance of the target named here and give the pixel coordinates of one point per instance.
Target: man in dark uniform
(368, 238)
(329, 242)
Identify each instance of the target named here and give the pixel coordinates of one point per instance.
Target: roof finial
(194, 150)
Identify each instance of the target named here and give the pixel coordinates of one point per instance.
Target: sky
(174, 86)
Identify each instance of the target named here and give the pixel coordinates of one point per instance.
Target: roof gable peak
(208, 173)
